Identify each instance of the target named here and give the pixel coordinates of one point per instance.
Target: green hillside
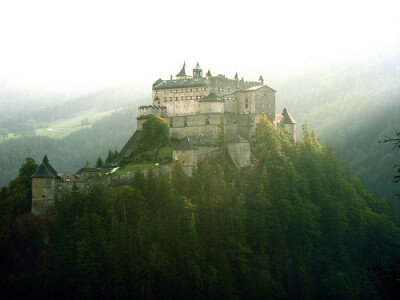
(294, 226)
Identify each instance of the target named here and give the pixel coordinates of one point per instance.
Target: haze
(75, 46)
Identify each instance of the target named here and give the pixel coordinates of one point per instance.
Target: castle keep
(196, 108)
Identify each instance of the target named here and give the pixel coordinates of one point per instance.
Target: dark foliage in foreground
(294, 226)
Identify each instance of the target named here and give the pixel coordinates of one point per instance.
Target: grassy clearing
(132, 168)
(145, 159)
(64, 127)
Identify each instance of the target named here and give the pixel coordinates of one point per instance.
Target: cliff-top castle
(194, 107)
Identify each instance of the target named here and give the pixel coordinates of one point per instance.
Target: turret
(208, 74)
(44, 187)
(182, 73)
(197, 71)
(289, 124)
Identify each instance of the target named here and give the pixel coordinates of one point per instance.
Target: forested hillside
(70, 153)
(352, 106)
(294, 226)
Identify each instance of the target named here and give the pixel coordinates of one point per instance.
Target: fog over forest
(314, 219)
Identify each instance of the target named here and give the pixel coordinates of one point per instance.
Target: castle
(195, 108)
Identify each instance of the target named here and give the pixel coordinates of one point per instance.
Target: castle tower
(261, 80)
(44, 188)
(182, 73)
(289, 124)
(197, 71)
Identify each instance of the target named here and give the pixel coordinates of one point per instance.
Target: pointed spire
(45, 159)
(197, 67)
(182, 73)
(261, 78)
(236, 76)
(208, 73)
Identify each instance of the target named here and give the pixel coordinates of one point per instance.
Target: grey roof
(208, 73)
(211, 97)
(197, 67)
(90, 170)
(287, 118)
(254, 88)
(179, 83)
(182, 73)
(238, 139)
(45, 170)
(185, 144)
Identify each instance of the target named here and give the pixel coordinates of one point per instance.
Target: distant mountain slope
(70, 153)
(351, 107)
(102, 101)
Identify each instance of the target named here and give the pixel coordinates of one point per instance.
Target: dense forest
(293, 226)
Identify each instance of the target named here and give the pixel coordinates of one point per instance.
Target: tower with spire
(44, 182)
(197, 71)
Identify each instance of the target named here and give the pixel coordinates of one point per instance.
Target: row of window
(182, 91)
(224, 89)
(183, 98)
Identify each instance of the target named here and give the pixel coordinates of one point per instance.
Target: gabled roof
(87, 169)
(45, 170)
(180, 83)
(182, 73)
(185, 144)
(211, 97)
(287, 118)
(257, 87)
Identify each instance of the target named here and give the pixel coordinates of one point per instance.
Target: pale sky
(61, 45)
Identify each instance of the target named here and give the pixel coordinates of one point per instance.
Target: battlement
(152, 110)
